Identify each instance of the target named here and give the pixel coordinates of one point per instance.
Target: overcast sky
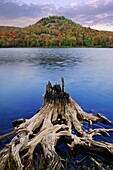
(92, 13)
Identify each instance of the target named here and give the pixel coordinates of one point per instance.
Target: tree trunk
(60, 117)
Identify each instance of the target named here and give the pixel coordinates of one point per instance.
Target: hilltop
(54, 31)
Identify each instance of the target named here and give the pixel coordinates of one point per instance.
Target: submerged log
(60, 117)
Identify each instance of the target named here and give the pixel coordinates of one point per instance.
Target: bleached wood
(58, 117)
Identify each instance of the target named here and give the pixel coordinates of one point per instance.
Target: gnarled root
(60, 116)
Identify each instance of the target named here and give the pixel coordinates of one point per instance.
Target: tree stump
(59, 119)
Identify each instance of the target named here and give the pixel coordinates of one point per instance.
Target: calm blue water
(24, 73)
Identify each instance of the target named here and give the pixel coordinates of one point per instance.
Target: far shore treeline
(54, 31)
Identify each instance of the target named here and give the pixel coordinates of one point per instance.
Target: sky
(96, 14)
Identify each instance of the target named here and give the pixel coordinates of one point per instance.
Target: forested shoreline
(55, 31)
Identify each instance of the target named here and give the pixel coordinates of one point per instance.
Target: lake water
(24, 73)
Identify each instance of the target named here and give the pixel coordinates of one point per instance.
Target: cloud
(18, 22)
(12, 10)
(90, 13)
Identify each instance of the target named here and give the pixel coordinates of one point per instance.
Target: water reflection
(37, 57)
(55, 61)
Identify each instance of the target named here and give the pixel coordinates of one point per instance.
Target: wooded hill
(54, 31)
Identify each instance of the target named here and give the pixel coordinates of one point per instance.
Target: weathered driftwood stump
(59, 119)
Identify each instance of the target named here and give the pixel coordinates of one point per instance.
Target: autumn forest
(54, 31)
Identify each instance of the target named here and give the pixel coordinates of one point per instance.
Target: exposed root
(59, 116)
